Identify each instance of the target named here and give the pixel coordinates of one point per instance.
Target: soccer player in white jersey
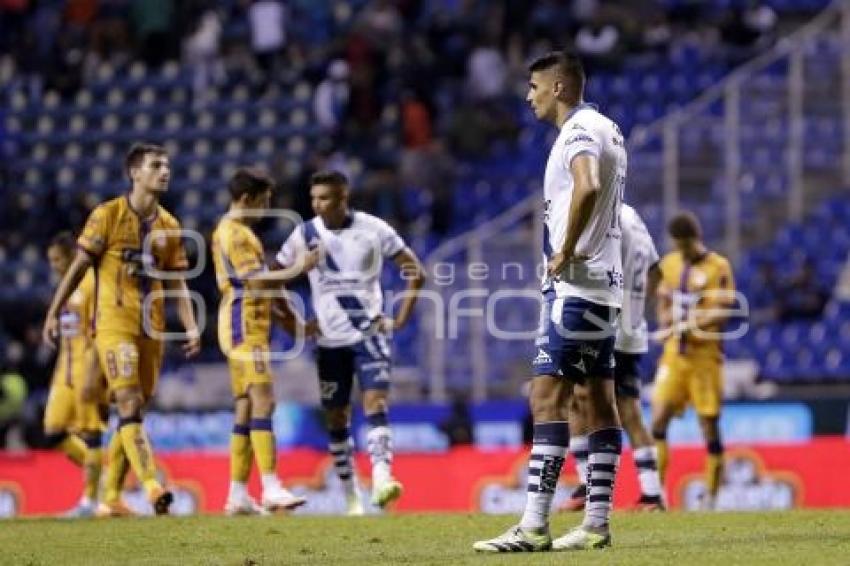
(582, 294)
(351, 329)
(641, 278)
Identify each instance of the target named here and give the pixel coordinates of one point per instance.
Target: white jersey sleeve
(580, 139)
(639, 255)
(292, 248)
(391, 242)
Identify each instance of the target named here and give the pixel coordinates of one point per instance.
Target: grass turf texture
(799, 537)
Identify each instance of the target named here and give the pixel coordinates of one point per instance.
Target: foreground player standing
(72, 422)
(695, 299)
(244, 323)
(642, 276)
(352, 329)
(133, 243)
(582, 293)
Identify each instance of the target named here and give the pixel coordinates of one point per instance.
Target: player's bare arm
(273, 279)
(412, 272)
(585, 170)
(82, 261)
(291, 321)
(185, 311)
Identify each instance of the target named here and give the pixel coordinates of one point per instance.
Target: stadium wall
(758, 477)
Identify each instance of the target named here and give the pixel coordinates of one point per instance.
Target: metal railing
(721, 154)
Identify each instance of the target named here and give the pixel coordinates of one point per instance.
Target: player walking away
(641, 278)
(351, 328)
(130, 240)
(244, 323)
(73, 423)
(582, 294)
(696, 293)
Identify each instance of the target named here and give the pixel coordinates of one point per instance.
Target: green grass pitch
(800, 538)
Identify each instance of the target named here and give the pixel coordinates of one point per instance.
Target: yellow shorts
(129, 361)
(66, 410)
(694, 379)
(249, 365)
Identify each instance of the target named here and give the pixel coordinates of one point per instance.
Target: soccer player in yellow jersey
(133, 243)
(696, 294)
(244, 322)
(72, 422)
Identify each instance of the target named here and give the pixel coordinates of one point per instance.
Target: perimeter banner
(757, 477)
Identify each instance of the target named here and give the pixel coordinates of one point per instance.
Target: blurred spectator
(202, 55)
(331, 99)
(110, 39)
(803, 296)
(760, 18)
(458, 425)
(598, 43)
(487, 72)
(267, 19)
(152, 25)
(13, 394)
(381, 21)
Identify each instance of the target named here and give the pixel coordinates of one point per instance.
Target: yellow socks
(116, 469)
(262, 441)
(241, 453)
(663, 457)
(714, 467)
(93, 465)
(138, 449)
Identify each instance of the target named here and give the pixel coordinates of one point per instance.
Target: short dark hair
(137, 154)
(250, 181)
(568, 65)
(64, 240)
(333, 178)
(684, 225)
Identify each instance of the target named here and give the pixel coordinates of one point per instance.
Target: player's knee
(92, 438)
(546, 410)
(337, 418)
(241, 410)
(375, 402)
(129, 403)
(54, 437)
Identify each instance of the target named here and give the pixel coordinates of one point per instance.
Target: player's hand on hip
(192, 347)
(559, 261)
(387, 324)
(50, 331)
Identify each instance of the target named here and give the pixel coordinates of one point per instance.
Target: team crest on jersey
(699, 278)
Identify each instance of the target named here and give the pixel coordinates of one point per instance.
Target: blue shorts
(575, 339)
(627, 375)
(369, 360)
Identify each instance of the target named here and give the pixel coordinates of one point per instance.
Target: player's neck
(143, 202)
(696, 254)
(237, 214)
(337, 221)
(564, 111)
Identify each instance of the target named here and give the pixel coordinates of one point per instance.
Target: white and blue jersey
(639, 255)
(348, 300)
(580, 305)
(345, 285)
(598, 279)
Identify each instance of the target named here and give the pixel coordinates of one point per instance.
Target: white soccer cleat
(516, 539)
(281, 499)
(243, 506)
(386, 492)
(81, 511)
(354, 505)
(581, 539)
